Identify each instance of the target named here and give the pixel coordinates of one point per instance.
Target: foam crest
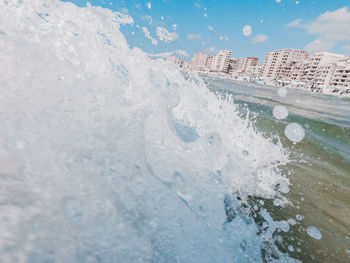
(109, 155)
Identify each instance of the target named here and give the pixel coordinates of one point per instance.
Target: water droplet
(299, 217)
(282, 92)
(247, 30)
(280, 112)
(290, 248)
(294, 132)
(314, 232)
(292, 221)
(284, 226)
(284, 188)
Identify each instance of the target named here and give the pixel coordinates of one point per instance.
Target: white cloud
(295, 23)
(165, 35)
(346, 47)
(148, 35)
(211, 50)
(260, 38)
(124, 10)
(332, 25)
(319, 45)
(194, 37)
(330, 29)
(182, 53)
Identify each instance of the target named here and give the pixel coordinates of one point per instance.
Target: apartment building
(278, 64)
(341, 76)
(320, 68)
(209, 61)
(221, 61)
(200, 62)
(232, 67)
(175, 60)
(244, 64)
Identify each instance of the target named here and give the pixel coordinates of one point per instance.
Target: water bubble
(280, 112)
(292, 221)
(278, 1)
(282, 92)
(149, 5)
(261, 202)
(290, 248)
(284, 226)
(247, 30)
(314, 232)
(299, 217)
(284, 188)
(174, 27)
(294, 132)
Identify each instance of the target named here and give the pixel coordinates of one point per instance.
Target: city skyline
(245, 27)
(279, 67)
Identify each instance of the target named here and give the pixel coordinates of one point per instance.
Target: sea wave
(110, 155)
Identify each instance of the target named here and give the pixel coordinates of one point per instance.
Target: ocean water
(319, 170)
(109, 155)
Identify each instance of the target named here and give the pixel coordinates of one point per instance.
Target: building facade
(221, 61)
(320, 68)
(341, 76)
(278, 64)
(200, 62)
(244, 64)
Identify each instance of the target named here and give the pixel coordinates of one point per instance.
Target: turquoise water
(320, 170)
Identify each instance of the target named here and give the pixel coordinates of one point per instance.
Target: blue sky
(212, 25)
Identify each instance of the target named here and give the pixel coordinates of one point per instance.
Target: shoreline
(205, 74)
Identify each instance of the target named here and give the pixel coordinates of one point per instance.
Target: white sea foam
(108, 155)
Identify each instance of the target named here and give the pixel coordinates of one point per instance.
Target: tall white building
(175, 60)
(221, 61)
(321, 67)
(341, 76)
(278, 63)
(200, 61)
(232, 67)
(244, 64)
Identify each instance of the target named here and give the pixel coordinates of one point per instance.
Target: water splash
(109, 155)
